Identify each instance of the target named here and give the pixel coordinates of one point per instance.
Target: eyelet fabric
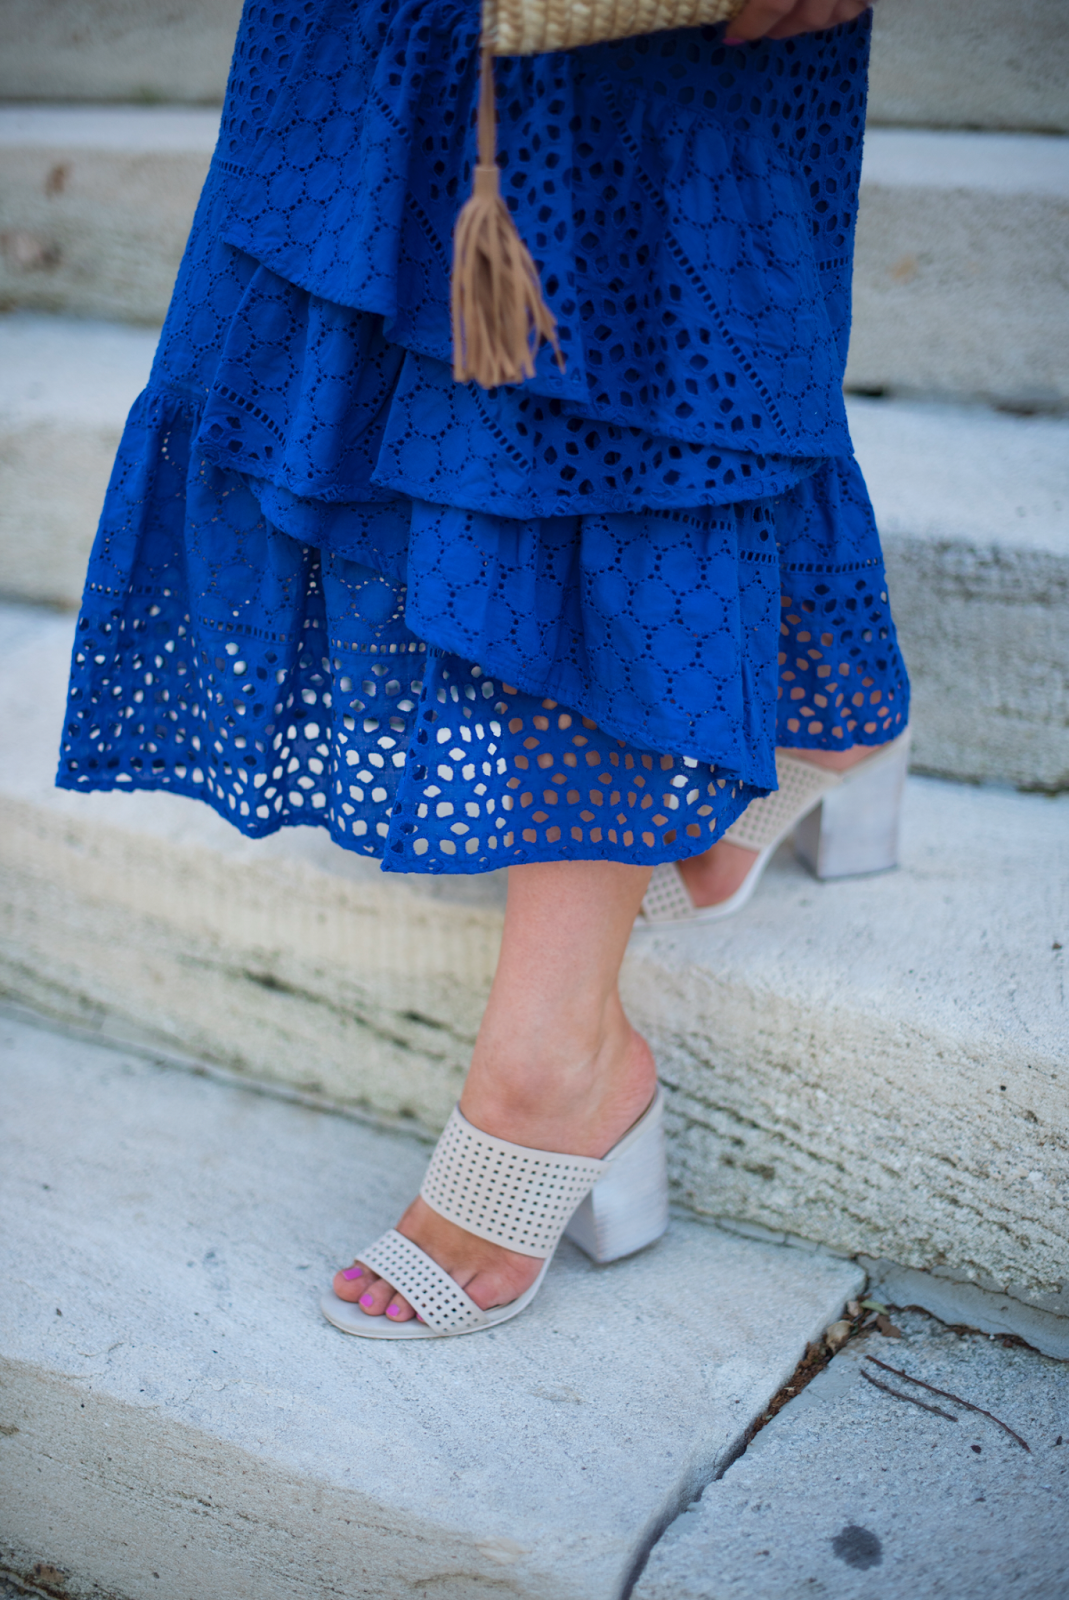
(466, 629)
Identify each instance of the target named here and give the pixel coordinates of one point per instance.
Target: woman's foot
(557, 1066)
(592, 1109)
(720, 871)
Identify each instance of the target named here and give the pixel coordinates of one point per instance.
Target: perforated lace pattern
(512, 1196)
(427, 1287)
(496, 774)
(312, 533)
(771, 818)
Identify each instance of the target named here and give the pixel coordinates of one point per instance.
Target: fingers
(781, 19)
(843, 11)
(758, 16)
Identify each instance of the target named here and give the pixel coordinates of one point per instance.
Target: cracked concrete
(850, 1492)
(172, 1403)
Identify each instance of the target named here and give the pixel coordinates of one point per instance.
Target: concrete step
(849, 1492)
(971, 64)
(96, 205)
(100, 50)
(878, 1065)
(178, 1420)
(973, 507)
(973, 511)
(961, 64)
(65, 389)
(959, 287)
(959, 282)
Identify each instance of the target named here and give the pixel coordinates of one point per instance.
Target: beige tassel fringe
(499, 316)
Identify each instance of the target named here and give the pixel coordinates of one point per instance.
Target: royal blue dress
(463, 629)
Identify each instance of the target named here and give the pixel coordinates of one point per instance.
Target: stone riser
(971, 64)
(836, 1119)
(959, 287)
(915, 1110)
(958, 64)
(985, 635)
(960, 292)
(100, 50)
(95, 208)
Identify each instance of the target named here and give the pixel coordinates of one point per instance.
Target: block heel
(627, 1209)
(523, 1199)
(855, 827)
(843, 823)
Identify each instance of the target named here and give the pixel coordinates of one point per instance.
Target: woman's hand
(779, 19)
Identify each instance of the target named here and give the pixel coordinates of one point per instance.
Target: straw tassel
(499, 316)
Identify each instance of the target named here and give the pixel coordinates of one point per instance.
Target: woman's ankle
(836, 760)
(550, 1098)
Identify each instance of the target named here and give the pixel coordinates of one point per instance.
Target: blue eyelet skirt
(461, 629)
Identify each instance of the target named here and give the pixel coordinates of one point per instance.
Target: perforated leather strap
(427, 1287)
(520, 1198)
(801, 785)
(666, 898)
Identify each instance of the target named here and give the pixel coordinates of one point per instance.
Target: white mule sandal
(525, 1200)
(844, 823)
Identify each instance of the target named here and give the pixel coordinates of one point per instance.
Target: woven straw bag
(499, 315)
(527, 27)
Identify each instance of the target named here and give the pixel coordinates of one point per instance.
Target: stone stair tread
(952, 938)
(126, 130)
(920, 158)
(997, 163)
(972, 504)
(848, 1493)
(167, 1241)
(957, 940)
(67, 371)
(830, 1050)
(966, 474)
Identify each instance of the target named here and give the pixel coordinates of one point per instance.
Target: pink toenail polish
(367, 1299)
(353, 1272)
(393, 1311)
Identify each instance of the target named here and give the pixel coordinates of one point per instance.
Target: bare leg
(717, 873)
(556, 1066)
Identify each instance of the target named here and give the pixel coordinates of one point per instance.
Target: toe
(375, 1299)
(399, 1309)
(351, 1282)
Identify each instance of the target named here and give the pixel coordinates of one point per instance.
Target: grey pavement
(176, 1421)
(852, 1494)
(172, 1402)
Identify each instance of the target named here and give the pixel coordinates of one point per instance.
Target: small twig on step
(886, 1387)
(956, 1398)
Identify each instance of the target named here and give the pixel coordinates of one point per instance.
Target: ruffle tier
(465, 629)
